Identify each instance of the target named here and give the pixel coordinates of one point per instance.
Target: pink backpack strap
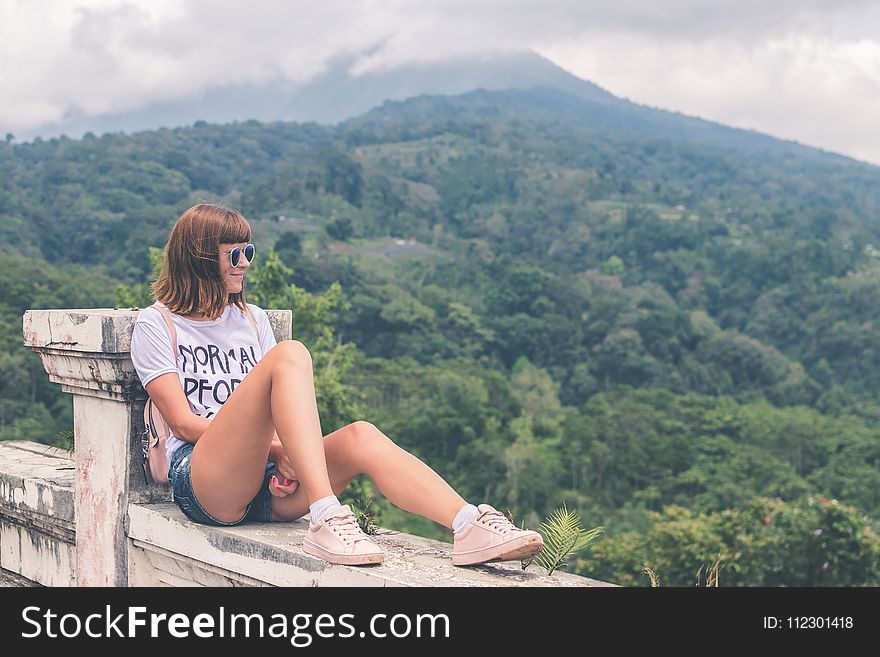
(171, 329)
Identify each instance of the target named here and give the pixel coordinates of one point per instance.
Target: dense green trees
(766, 542)
(31, 407)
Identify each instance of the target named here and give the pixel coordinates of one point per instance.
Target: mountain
(334, 96)
(337, 96)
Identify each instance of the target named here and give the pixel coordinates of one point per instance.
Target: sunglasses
(250, 251)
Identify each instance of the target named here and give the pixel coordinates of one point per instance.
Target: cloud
(98, 57)
(815, 90)
(802, 69)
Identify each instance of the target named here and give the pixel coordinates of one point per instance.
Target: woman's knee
(363, 438)
(292, 352)
(353, 449)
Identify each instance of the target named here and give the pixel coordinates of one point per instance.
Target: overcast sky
(807, 70)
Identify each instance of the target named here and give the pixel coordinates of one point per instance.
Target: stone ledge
(271, 554)
(103, 331)
(37, 480)
(37, 530)
(12, 580)
(91, 330)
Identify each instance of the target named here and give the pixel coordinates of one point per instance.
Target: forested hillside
(667, 324)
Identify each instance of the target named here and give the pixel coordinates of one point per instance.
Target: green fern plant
(563, 537)
(366, 517)
(64, 441)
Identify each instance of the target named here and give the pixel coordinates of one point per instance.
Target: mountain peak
(335, 95)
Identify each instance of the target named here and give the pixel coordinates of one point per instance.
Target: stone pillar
(87, 352)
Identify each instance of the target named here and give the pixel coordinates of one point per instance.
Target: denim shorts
(259, 510)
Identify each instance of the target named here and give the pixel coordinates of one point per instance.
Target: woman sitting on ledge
(247, 441)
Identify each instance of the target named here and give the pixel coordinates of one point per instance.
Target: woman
(247, 439)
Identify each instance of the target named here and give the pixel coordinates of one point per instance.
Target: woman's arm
(167, 394)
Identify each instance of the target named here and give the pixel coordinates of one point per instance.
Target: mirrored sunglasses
(235, 254)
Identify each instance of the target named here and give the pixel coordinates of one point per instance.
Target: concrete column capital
(86, 351)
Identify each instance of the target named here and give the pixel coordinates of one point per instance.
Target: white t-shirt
(213, 356)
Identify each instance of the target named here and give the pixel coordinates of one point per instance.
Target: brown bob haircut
(189, 281)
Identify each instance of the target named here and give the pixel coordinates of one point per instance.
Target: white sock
(319, 508)
(467, 513)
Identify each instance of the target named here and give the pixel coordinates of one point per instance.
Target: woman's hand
(282, 488)
(285, 481)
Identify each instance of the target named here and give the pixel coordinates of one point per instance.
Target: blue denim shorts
(259, 510)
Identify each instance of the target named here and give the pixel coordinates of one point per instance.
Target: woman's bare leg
(410, 484)
(229, 459)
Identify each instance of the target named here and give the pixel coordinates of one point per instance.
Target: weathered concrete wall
(166, 549)
(87, 352)
(37, 517)
(101, 491)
